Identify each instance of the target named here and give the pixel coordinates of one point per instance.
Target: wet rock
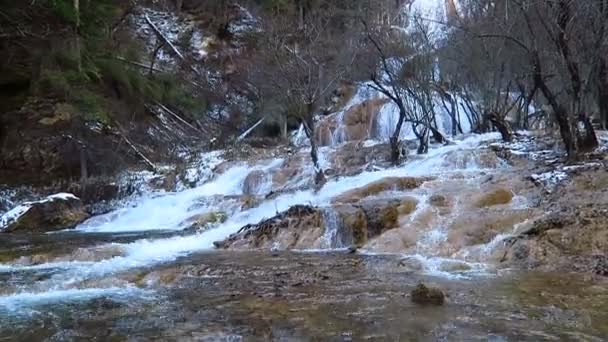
(354, 157)
(206, 220)
(424, 295)
(56, 212)
(407, 206)
(298, 227)
(439, 201)
(454, 266)
(411, 265)
(250, 202)
(380, 186)
(485, 159)
(381, 215)
(359, 121)
(494, 197)
(354, 223)
(254, 183)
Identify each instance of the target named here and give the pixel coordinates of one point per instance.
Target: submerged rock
(55, 212)
(424, 295)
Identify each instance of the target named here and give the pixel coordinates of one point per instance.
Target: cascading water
(167, 210)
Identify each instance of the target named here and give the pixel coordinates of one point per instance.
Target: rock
(354, 223)
(204, 221)
(495, 197)
(254, 183)
(381, 215)
(407, 206)
(250, 202)
(360, 120)
(382, 185)
(454, 266)
(55, 212)
(424, 295)
(411, 265)
(352, 158)
(298, 227)
(439, 201)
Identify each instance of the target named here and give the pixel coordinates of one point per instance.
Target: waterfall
(334, 236)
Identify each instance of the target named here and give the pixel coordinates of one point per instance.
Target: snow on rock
(54, 212)
(549, 179)
(200, 170)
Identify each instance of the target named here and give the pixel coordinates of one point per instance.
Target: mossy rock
(495, 197)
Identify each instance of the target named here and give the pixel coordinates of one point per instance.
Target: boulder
(55, 212)
(381, 215)
(380, 186)
(299, 227)
(424, 295)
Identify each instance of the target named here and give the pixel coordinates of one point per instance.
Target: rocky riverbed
(327, 296)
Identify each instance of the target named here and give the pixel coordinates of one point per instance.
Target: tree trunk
(423, 140)
(77, 34)
(603, 93)
(314, 151)
(502, 126)
(561, 115)
(178, 5)
(587, 140)
(284, 127)
(83, 165)
(396, 153)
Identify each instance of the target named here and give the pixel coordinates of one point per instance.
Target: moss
(496, 197)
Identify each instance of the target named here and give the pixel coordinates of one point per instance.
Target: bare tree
(301, 63)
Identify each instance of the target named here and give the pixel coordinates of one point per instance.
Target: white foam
(23, 300)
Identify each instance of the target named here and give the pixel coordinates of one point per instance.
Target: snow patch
(14, 214)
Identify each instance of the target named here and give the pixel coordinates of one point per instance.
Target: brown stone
(495, 197)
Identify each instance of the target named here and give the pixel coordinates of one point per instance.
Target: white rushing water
(168, 210)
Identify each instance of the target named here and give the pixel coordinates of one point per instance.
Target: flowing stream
(136, 273)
